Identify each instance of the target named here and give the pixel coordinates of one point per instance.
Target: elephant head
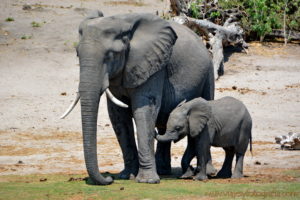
(188, 118)
(128, 48)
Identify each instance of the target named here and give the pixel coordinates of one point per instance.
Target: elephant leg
(146, 103)
(121, 120)
(163, 156)
(241, 149)
(187, 157)
(145, 134)
(209, 87)
(202, 151)
(238, 170)
(225, 171)
(210, 170)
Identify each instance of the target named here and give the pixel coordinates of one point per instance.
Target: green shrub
(194, 9)
(215, 14)
(263, 16)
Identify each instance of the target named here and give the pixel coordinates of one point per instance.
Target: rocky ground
(39, 78)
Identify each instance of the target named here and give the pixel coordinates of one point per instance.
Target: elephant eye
(109, 56)
(178, 128)
(125, 39)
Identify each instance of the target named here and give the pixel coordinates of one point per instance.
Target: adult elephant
(151, 65)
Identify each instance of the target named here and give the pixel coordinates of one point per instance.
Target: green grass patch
(9, 19)
(58, 187)
(35, 24)
(293, 173)
(25, 37)
(75, 44)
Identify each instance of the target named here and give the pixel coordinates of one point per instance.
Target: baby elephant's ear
(198, 117)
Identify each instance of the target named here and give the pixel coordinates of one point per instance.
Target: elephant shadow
(176, 173)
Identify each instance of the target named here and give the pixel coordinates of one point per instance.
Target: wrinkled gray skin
(149, 64)
(221, 123)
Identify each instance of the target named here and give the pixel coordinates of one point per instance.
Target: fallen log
(218, 35)
(216, 31)
(291, 35)
(179, 6)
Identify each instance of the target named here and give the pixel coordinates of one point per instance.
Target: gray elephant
(149, 64)
(221, 123)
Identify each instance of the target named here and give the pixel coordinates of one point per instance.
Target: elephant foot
(210, 170)
(200, 177)
(237, 175)
(129, 172)
(224, 174)
(147, 176)
(188, 174)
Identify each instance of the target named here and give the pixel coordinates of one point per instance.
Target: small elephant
(221, 123)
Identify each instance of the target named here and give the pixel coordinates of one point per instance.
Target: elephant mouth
(178, 138)
(175, 141)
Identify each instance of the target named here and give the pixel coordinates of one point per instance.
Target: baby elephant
(221, 123)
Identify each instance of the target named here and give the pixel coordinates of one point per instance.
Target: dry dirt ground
(39, 79)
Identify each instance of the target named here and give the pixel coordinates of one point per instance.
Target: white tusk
(115, 100)
(71, 106)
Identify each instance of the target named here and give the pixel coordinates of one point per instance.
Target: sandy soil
(39, 79)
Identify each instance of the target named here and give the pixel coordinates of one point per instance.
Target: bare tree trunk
(205, 8)
(284, 24)
(216, 42)
(179, 6)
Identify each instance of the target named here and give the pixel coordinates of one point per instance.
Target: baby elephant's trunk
(166, 137)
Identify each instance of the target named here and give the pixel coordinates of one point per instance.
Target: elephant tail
(251, 145)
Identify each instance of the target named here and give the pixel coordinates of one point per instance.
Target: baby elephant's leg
(238, 170)
(189, 173)
(225, 172)
(202, 151)
(187, 157)
(241, 149)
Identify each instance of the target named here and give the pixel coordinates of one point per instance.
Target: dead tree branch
(216, 26)
(217, 36)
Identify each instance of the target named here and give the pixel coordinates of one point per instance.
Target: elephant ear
(152, 39)
(200, 113)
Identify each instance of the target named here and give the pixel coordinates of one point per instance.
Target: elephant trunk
(93, 82)
(166, 137)
(89, 113)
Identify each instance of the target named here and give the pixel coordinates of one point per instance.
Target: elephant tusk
(114, 99)
(71, 106)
